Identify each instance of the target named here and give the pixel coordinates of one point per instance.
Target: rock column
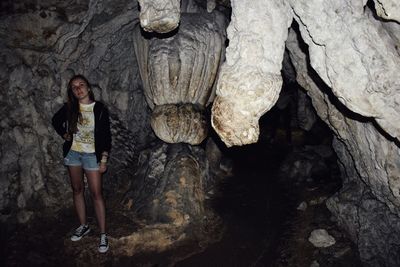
(179, 71)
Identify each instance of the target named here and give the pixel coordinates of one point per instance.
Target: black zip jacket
(102, 133)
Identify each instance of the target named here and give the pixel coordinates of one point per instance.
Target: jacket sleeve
(107, 131)
(59, 121)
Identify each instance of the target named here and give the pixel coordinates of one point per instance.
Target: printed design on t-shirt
(84, 137)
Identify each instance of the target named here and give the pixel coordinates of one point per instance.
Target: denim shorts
(88, 161)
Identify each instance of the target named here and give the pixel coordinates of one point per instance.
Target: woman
(85, 126)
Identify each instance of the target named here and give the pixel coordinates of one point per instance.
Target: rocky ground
(261, 224)
(294, 247)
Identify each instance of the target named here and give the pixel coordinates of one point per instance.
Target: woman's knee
(77, 190)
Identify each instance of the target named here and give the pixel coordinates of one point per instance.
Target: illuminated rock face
(179, 70)
(388, 9)
(159, 15)
(179, 123)
(250, 79)
(355, 57)
(236, 112)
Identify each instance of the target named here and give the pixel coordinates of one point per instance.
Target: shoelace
(79, 231)
(103, 240)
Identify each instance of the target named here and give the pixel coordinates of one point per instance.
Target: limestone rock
(369, 165)
(159, 15)
(305, 114)
(179, 123)
(303, 164)
(388, 9)
(181, 70)
(369, 222)
(169, 185)
(241, 99)
(302, 206)
(321, 239)
(250, 79)
(354, 56)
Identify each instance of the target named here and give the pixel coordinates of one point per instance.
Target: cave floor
(261, 226)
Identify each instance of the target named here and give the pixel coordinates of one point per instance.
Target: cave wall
(367, 205)
(41, 47)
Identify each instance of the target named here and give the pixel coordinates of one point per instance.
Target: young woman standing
(85, 126)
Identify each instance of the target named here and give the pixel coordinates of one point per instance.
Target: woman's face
(80, 90)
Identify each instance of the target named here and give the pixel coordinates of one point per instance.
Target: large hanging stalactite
(250, 79)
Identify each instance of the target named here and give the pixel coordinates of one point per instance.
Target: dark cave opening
(276, 195)
(261, 202)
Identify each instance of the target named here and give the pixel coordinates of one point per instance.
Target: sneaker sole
(103, 250)
(75, 238)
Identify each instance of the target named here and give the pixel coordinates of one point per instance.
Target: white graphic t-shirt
(83, 140)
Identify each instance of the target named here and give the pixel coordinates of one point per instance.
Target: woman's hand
(103, 167)
(67, 137)
(103, 162)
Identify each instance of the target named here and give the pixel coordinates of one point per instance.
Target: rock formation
(179, 73)
(160, 16)
(169, 185)
(250, 79)
(178, 70)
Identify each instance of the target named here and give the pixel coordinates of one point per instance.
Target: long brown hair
(74, 113)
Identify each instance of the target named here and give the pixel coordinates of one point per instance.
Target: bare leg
(76, 175)
(94, 181)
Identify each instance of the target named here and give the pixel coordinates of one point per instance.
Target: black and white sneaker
(80, 232)
(103, 246)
